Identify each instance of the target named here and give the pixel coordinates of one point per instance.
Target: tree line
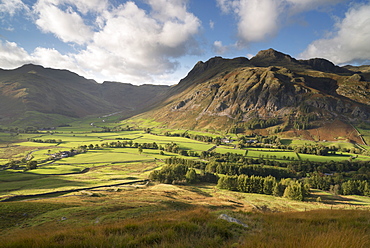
(338, 185)
(45, 140)
(291, 189)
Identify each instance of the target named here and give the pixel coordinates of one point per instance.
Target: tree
(268, 185)
(140, 149)
(350, 187)
(294, 191)
(278, 189)
(228, 182)
(31, 165)
(191, 176)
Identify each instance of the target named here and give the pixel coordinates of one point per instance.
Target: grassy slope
(160, 215)
(181, 216)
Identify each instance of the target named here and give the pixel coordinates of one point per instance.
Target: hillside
(297, 94)
(298, 98)
(38, 96)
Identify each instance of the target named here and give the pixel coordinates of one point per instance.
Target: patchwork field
(115, 213)
(103, 166)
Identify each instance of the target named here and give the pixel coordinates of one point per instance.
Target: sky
(159, 41)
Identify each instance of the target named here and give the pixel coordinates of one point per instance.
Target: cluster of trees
(31, 165)
(288, 188)
(245, 169)
(208, 139)
(253, 176)
(214, 140)
(359, 170)
(105, 129)
(337, 185)
(301, 125)
(257, 123)
(303, 122)
(235, 176)
(23, 163)
(174, 148)
(258, 141)
(18, 130)
(355, 187)
(130, 143)
(169, 147)
(316, 149)
(45, 141)
(188, 162)
(180, 174)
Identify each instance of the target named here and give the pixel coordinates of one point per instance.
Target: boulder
(231, 219)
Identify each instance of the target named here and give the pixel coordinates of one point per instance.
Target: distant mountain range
(38, 96)
(217, 94)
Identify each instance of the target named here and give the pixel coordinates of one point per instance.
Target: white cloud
(211, 24)
(226, 6)
(177, 24)
(116, 42)
(219, 48)
(49, 57)
(12, 56)
(138, 43)
(349, 43)
(262, 19)
(263, 14)
(257, 19)
(67, 25)
(11, 7)
(85, 6)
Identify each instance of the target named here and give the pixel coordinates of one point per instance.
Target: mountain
(38, 96)
(269, 93)
(294, 94)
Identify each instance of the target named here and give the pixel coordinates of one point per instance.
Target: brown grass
(320, 228)
(175, 216)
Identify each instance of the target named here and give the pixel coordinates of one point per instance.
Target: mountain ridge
(269, 85)
(224, 91)
(35, 89)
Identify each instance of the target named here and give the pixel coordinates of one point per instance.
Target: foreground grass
(201, 228)
(189, 228)
(175, 216)
(319, 228)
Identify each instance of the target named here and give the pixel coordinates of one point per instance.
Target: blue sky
(159, 41)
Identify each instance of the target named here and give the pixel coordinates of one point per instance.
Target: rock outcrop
(270, 85)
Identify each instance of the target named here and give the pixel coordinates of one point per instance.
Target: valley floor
(101, 197)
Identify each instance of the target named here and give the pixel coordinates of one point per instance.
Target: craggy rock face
(250, 89)
(267, 92)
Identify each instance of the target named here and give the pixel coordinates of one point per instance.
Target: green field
(108, 165)
(365, 134)
(164, 214)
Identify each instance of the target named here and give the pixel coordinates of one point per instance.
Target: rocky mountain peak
(271, 53)
(29, 67)
(203, 71)
(324, 65)
(272, 57)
